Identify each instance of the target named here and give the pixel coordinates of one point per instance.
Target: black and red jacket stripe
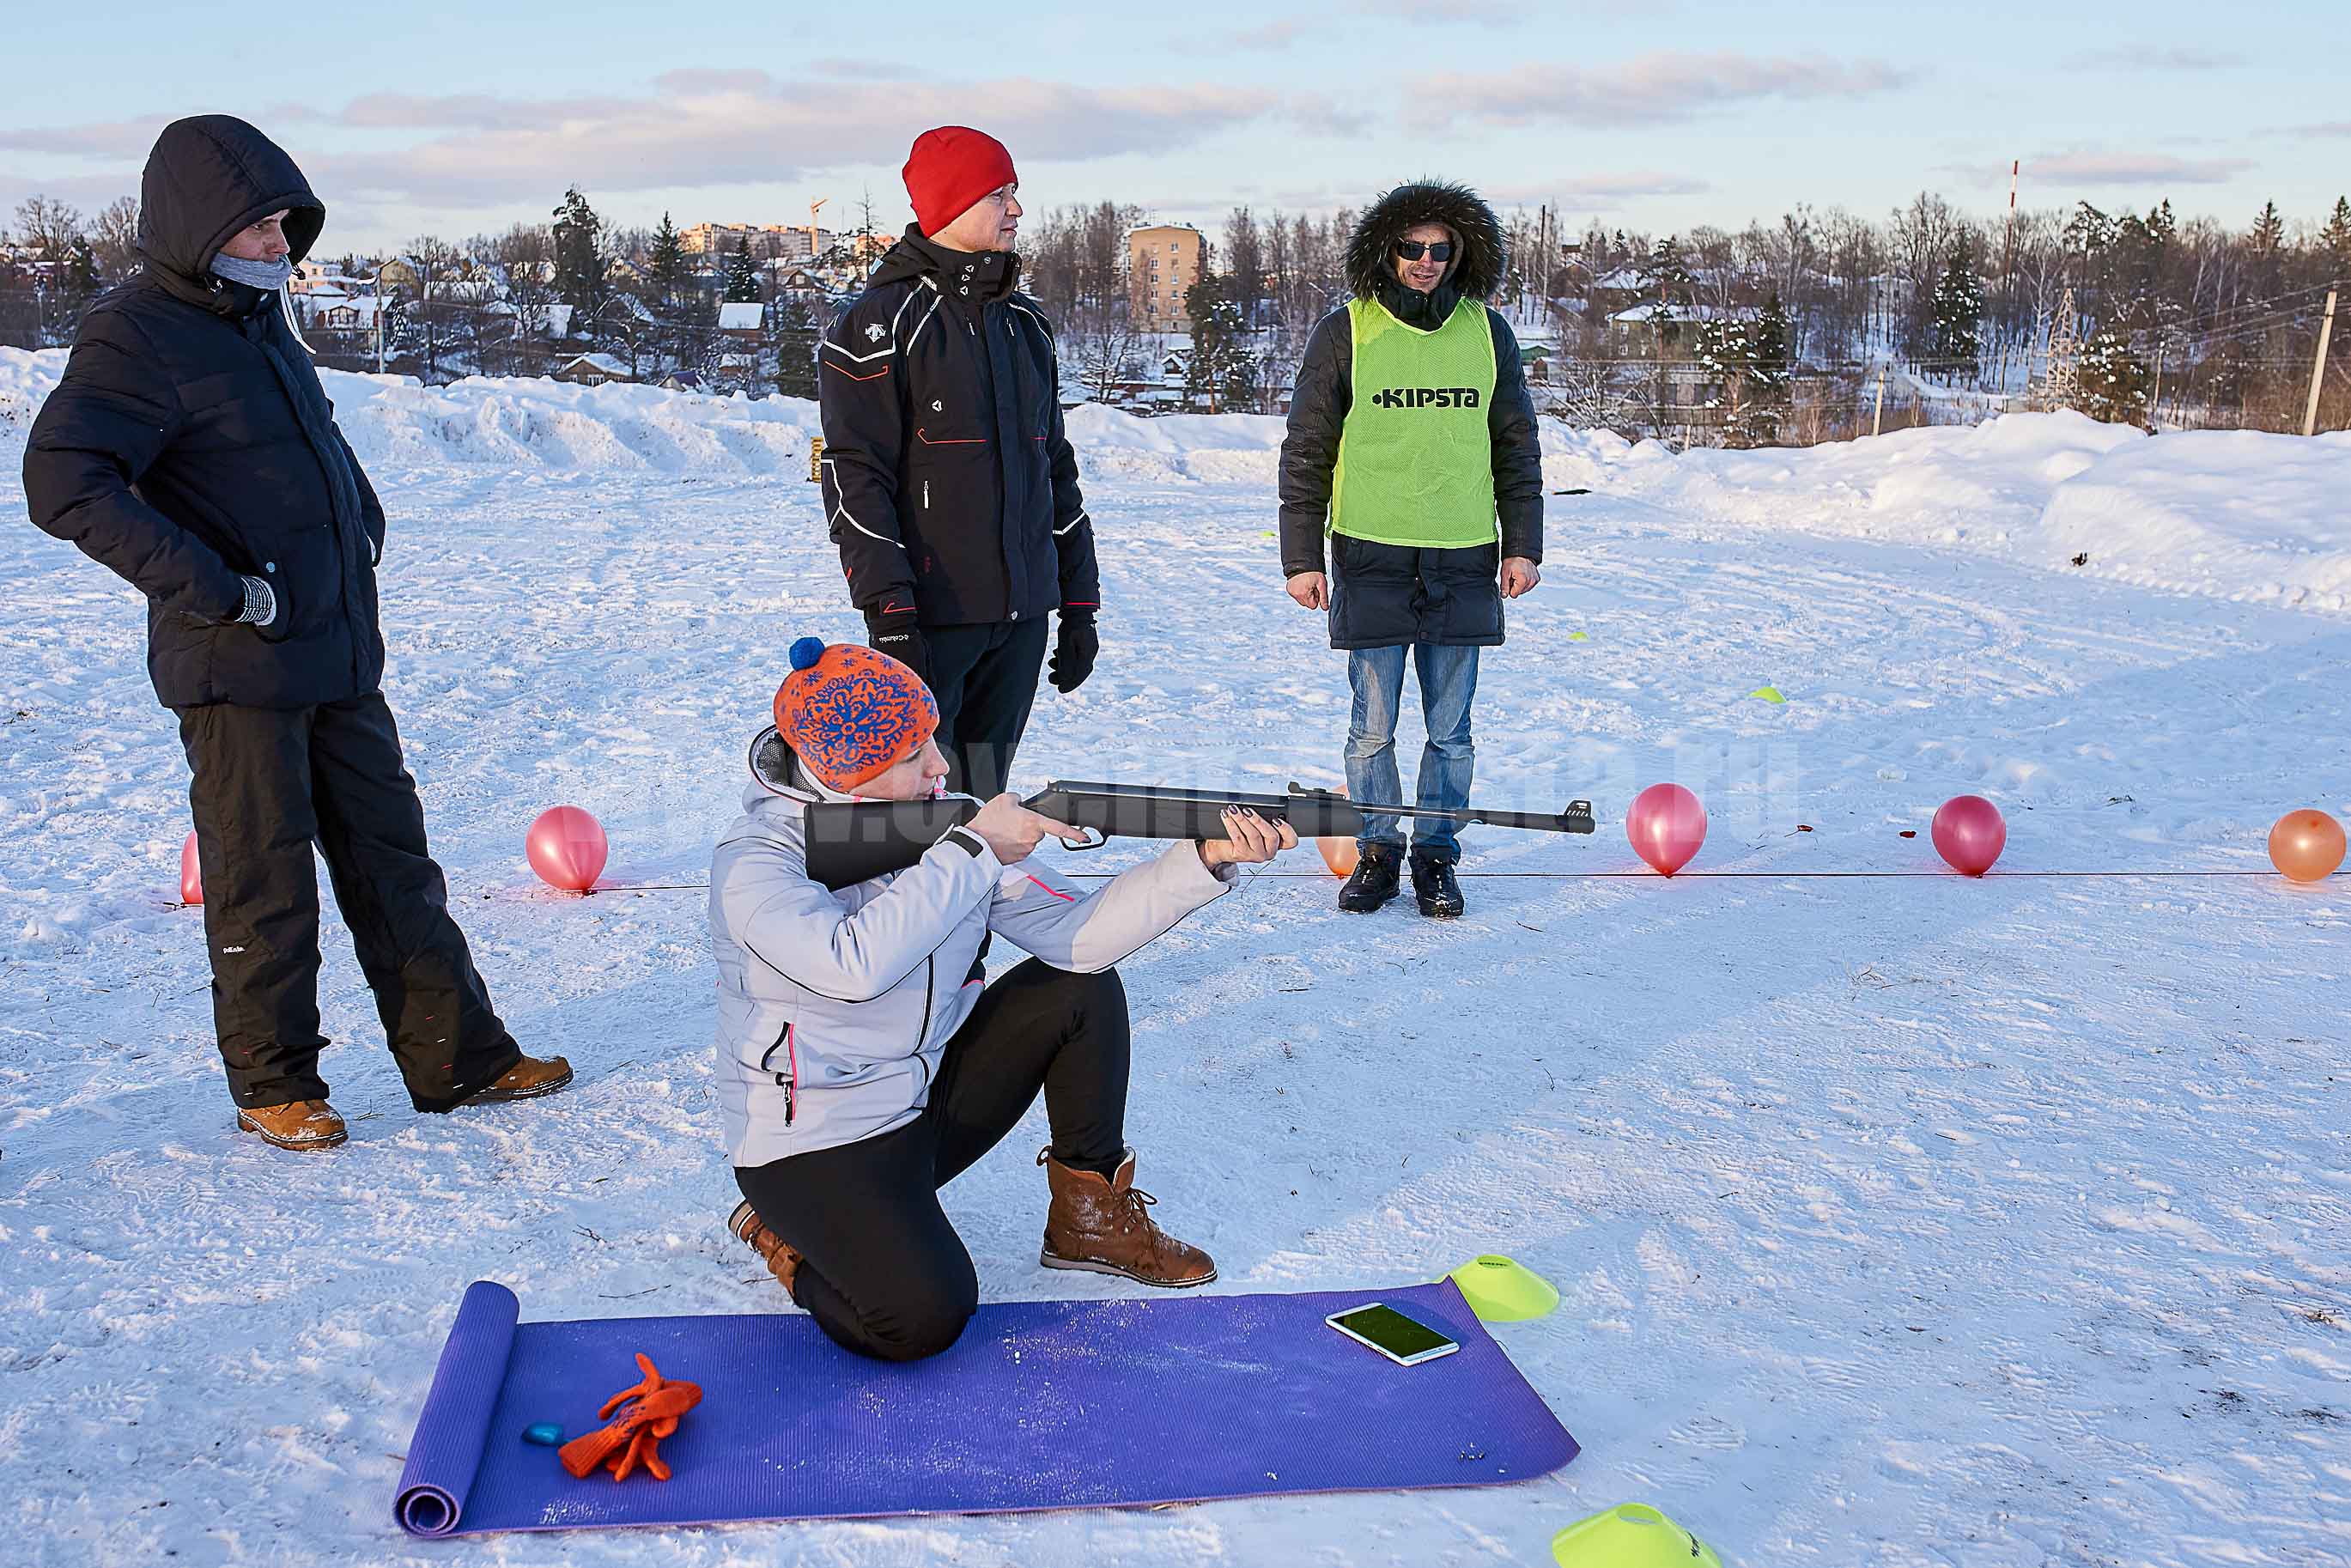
(949, 483)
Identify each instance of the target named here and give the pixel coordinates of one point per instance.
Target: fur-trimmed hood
(1477, 271)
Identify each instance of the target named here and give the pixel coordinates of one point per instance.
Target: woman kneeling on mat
(860, 1070)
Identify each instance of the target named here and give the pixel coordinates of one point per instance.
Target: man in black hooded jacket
(1412, 443)
(191, 449)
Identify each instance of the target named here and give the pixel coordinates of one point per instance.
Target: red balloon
(1666, 825)
(1969, 833)
(567, 848)
(191, 874)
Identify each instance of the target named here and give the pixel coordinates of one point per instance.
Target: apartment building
(1163, 260)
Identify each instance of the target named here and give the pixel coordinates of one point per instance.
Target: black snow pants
(268, 785)
(985, 678)
(882, 1271)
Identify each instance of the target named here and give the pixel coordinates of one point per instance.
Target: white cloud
(2151, 57)
(2097, 167)
(1652, 89)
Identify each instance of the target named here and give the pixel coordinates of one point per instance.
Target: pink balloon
(1666, 825)
(567, 848)
(1969, 833)
(191, 874)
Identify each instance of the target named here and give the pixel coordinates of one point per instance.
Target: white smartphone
(1405, 1340)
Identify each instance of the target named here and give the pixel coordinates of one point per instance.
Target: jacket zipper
(930, 988)
(927, 495)
(789, 1081)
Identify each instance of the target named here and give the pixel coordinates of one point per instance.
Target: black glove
(1074, 657)
(897, 634)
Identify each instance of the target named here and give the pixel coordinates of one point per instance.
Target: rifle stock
(854, 841)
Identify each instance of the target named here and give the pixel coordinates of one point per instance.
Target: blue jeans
(1448, 681)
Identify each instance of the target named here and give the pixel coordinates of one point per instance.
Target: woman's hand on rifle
(1012, 829)
(1248, 840)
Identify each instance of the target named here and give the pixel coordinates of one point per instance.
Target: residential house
(594, 371)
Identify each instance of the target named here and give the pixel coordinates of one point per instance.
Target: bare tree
(114, 239)
(48, 228)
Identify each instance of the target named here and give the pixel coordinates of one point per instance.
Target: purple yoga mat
(1039, 1405)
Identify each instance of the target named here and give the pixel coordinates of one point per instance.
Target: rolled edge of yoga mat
(455, 1425)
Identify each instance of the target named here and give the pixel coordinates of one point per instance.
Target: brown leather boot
(1103, 1224)
(749, 1227)
(297, 1124)
(526, 1079)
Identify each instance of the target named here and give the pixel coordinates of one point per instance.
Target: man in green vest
(1412, 445)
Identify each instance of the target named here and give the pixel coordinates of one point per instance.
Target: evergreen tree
(1665, 274)
(1223, 372)
(579, 279)
(1774, 354)
(2334, 241)
(1954, 333)
(796, 346)
(2268, 242)
(742, 275)
(2269, 229)
(2114, 381)
(671, 274)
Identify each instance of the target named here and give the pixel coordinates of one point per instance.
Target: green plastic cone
(1769, 693)
(1630, 1535)
(1504, 1290)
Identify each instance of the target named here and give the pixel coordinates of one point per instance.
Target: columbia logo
(1427, 397)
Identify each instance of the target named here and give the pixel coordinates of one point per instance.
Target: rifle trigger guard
(1098, 840)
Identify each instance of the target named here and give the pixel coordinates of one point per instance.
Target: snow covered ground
(1906, 1221)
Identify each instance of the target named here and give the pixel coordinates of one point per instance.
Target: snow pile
(2226, 513)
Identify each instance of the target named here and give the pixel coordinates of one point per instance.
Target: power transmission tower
(2063, 384)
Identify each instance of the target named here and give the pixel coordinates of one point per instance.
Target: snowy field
(1896, 1221)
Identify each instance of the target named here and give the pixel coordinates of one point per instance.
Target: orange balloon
(2306, 845)
(1339, 854)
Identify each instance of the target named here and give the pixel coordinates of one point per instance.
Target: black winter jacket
(190, 441)
(1384, 595)
(949, 484)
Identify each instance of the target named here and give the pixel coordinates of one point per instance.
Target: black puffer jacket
(1384, 595)
(949, 484)
(190, 443)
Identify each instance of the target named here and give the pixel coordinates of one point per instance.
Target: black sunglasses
(1411, 250)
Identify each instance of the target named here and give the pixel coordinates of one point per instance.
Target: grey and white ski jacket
(835, 1008)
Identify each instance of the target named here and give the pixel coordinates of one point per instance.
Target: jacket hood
(1477, 271)
(777, 774)
(916, 255)
(208, 177)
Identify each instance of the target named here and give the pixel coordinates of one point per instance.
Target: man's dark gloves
(895, 632)
(1074, 657)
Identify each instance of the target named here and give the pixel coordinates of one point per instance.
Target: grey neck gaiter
(266, 275)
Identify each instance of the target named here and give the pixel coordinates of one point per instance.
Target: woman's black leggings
(882, 1271)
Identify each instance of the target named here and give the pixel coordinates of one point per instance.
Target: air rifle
(850, 841)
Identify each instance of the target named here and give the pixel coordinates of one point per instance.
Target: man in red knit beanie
(949, 484)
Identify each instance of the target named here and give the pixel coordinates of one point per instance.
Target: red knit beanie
(949, 169)
(851, 712)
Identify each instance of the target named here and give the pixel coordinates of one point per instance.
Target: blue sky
(417, 118)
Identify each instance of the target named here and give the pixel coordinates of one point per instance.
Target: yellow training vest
(1415, 461)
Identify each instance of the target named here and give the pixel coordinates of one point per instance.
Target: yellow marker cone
(1630, 1535)
(1504, 1290)
(1577, 637)
(1769, 693)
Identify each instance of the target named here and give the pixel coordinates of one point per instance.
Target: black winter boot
(1433, 885)
(1378, 872)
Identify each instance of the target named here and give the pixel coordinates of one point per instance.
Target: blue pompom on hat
(807, 652)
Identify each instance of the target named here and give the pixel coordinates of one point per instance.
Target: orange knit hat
(850, 712)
